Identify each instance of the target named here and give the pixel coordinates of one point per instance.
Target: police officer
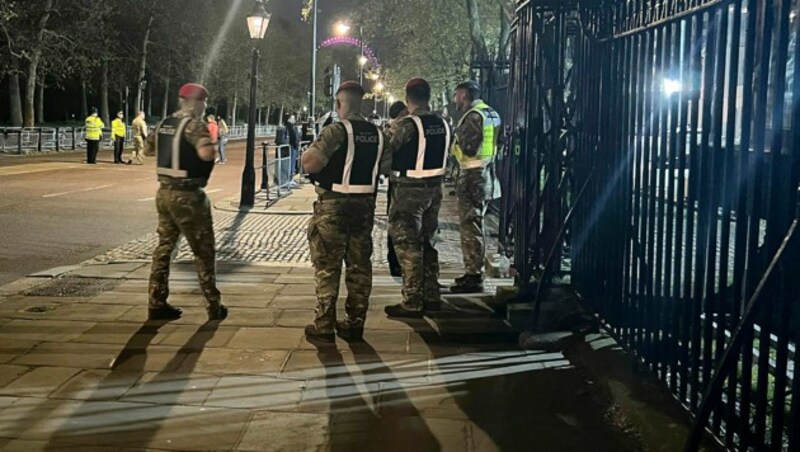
(118, 131)
(343, 164)
(185, 158)
(419, 156)
(94, 133)
(475, 148)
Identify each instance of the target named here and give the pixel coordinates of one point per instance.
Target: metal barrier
(655, 157)
(272, 155)
(46, 139)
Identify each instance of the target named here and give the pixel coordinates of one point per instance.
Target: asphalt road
(55, 210)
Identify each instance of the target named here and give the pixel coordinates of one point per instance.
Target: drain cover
(37, 309)
(72, 287)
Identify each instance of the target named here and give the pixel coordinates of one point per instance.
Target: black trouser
(92, 146)
(119, 145)
(391, 256)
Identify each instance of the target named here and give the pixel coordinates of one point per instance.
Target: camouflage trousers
(186, 212)
(471, 192)
(413, 223)
(341, 230)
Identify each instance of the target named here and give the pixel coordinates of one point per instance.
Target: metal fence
(19, 140)
(279, 169)
(655, 158)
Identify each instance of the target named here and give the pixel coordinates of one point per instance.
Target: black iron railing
(654, 157)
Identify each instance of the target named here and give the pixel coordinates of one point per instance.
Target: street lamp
(257, 23)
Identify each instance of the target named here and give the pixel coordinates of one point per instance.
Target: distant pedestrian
(294, 144)
(118, 130)
(224, 131)
(185, 157)
(475, 148)
(94, 133)
(139, 132)
(213, 128)
(344, 163)
(419, 148)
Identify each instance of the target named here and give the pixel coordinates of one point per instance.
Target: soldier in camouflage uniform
(185, 158)
(475, 148)
(343, 164)
(419, 156)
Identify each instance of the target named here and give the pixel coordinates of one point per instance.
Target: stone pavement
(277, 235)
(81, 368)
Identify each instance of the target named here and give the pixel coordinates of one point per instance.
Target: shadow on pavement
(136, 425)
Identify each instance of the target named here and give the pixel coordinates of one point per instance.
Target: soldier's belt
(331, 195)
(186, 186)
(428, 182)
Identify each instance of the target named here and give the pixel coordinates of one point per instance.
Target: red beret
(351, 86)
(417, 81)
(193, 91)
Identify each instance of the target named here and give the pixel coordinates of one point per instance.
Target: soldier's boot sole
(315, 335)
(166, 312)
(349, 333)
(398, 310)
(471, 288)
(217, 312)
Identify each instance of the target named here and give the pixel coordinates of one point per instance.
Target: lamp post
(313, 100)
(257, 23)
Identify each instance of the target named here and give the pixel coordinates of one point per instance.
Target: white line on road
(147, 199)
(53, 195)
(216, 190)
(143, 179)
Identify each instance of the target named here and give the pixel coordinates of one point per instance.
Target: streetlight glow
(341, 28)
(362, 60)
(258, 21)
(379, 86)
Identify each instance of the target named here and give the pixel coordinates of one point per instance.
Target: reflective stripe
(345, 186)
(354, 189)
(420, 172)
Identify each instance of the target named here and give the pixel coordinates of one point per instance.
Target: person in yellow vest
(118, 134)
(94, 133)
(475, 148)
(139, 132)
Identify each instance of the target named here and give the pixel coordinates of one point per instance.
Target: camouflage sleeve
(196, 133)
(470, 134)
(401, 133)
(329, 141)
(386, 158)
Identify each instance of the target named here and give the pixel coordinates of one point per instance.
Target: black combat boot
(165, 312)
(314, 335)
(398, 310)
(217, 312)
(469, 284)
(350, 332)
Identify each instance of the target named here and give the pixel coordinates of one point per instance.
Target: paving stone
(82, 356)
(251, 317)
(133, 334)
(191, 338)
(256, 392)
(39, 382)
(171, 388)
(226, 361)
(9, 373)
(294, 302)
(121, 424)
(11, 348)
(344, 393)
(111, 270)
(294, 318)
(310, 365)
(86, 312)
(118, 298)
(429, 401)
(44, 330)
(7, 401)
(360, 431)
(247, 301)
(298, 289)
(267, 338)
(155, 358)
(96, 385)
(286, 432)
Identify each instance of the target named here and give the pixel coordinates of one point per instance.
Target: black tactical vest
(425, 155)
(353, 168)
(176, 157)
